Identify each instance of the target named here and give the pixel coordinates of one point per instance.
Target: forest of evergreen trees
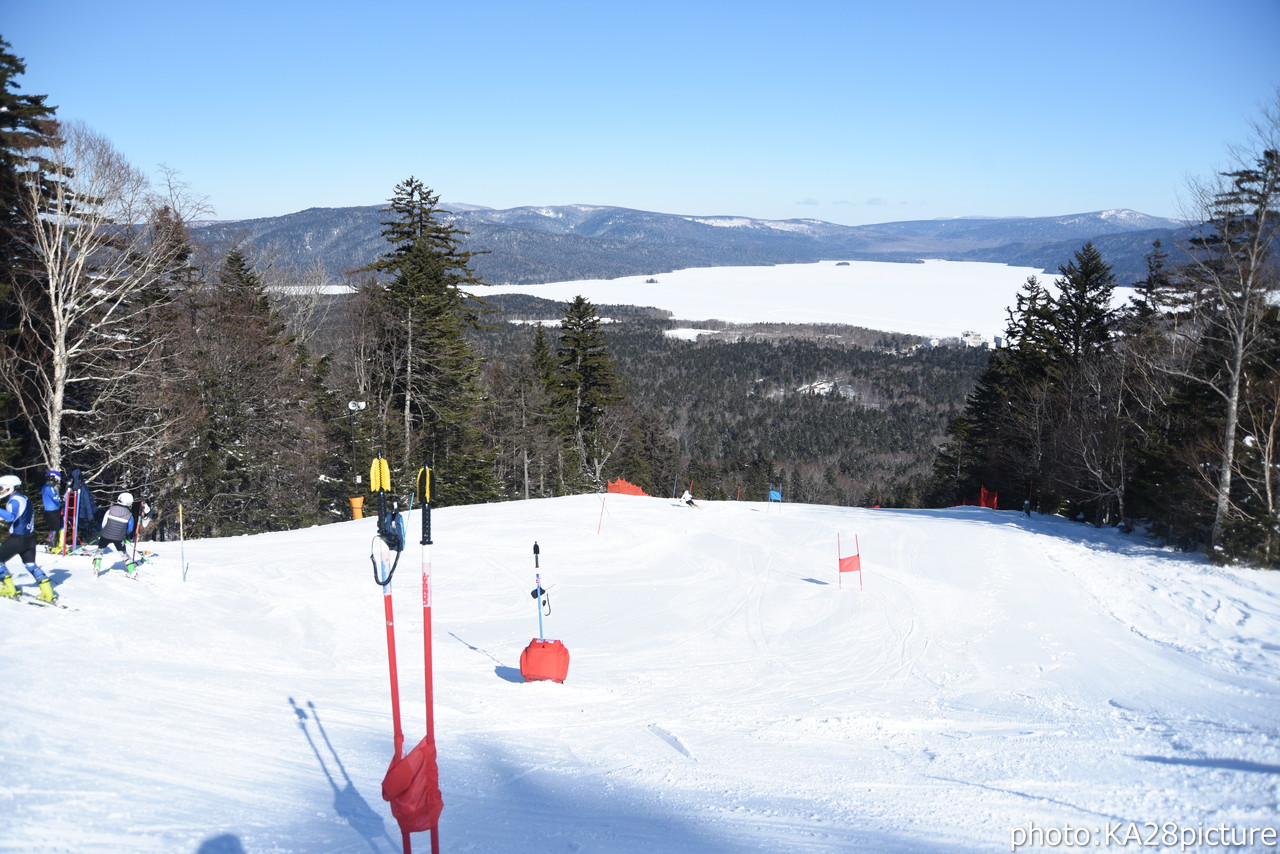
(252, 396)
(1164, 411)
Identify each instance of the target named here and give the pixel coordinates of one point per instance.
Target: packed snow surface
(933, 298)
(991, 675)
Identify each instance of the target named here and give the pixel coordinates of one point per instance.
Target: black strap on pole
(390, 522)
(540, 592)
(423, 493)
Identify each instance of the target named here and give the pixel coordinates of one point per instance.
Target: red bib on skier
(412, 786)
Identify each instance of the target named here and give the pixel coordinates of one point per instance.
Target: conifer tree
(1081, 313)
(27, 128)
(255, 443)
(585, 385)
(1044, 422)
(424, 373)
(544, 365)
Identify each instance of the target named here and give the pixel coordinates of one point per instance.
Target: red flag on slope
(852, 563)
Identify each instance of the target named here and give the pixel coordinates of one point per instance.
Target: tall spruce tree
(27, 128)
(425, 375)
(585, 385)
(1091, 440)
(1082, 315)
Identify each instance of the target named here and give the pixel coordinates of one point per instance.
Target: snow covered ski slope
(997, 677)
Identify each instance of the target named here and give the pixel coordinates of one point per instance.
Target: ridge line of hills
(539, 244)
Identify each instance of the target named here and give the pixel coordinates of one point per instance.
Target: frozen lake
(933, 298)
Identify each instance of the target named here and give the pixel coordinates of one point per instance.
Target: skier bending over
(21, 516)
(687, 499)
(117, 525)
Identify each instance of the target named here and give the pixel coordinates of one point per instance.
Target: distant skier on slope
(687, 498)
(117, 525)
(21, 516)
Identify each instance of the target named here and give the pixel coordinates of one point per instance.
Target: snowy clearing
(996, 675)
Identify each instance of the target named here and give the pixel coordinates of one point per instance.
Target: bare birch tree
(83, 347)
(1228, 284)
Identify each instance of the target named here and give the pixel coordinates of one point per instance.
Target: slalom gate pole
(380, 482)
(182, 544)
(66, 507)
(839, 555)
(424, 498)
(75, 522)
(537, 581)
(137, 531)
(857, 546)
(537, 587)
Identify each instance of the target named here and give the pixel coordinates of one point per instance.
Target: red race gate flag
(852, 563)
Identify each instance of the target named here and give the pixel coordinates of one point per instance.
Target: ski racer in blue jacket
(52, 498)
(117, 525)
(20, 514)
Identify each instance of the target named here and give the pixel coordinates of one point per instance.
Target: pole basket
(544, 660)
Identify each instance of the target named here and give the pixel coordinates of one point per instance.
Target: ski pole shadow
(1221, 763)
(502, 671)
(348, 803)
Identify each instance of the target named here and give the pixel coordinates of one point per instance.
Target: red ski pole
(380, 481)
(424, 497)
(66, 509)
(395, 687)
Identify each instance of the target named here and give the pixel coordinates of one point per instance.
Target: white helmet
(9, 483)
(125, 499)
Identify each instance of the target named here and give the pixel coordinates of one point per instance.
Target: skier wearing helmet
(52, 498)
(20, 514)
(117, 525)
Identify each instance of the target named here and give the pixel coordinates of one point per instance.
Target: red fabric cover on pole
(852, 563)
(412, 787)
(544, 660)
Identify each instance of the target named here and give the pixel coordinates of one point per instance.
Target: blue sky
(852, 112)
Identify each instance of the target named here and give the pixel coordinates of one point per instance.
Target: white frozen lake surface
(934, 298)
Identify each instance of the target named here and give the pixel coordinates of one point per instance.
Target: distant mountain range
(529, 245)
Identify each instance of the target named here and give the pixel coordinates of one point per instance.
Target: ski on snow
(31, 600)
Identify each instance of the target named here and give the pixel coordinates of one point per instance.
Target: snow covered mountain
(991, 678)
(537, 244)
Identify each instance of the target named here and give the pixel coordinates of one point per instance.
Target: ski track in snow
(724, 694)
